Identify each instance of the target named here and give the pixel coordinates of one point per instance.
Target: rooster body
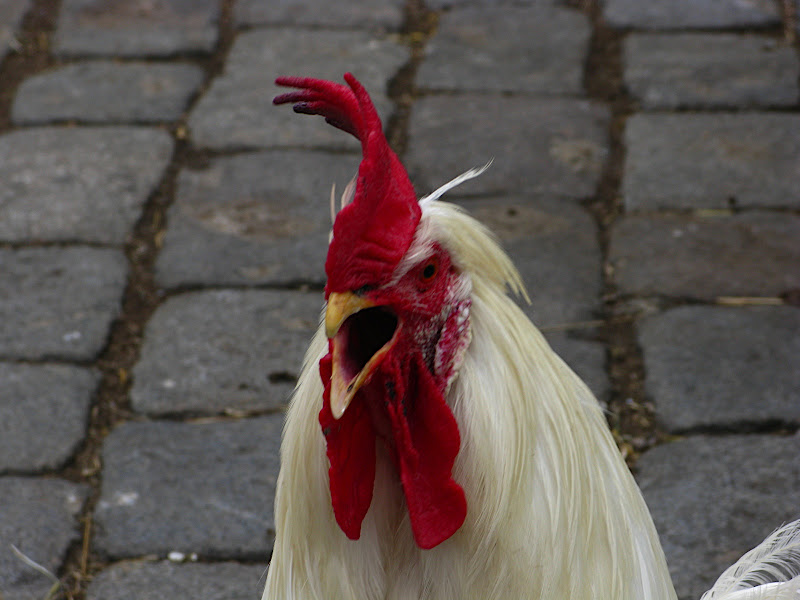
(551, 515)
(455, 455)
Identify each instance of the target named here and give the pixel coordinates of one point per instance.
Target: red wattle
(427, 442)
(351, 452)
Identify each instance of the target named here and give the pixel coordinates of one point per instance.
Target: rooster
(435, 446)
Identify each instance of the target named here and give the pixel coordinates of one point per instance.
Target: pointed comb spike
(373, 232)
(334, 101)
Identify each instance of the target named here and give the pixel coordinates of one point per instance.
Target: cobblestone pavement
(163, 230)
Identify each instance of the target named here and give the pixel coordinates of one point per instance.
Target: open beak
(362, 334)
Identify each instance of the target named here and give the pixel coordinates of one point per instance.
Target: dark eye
(429, 271)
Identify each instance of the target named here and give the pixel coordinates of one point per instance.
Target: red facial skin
(403, 405)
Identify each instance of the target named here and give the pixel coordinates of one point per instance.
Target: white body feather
(553, 512)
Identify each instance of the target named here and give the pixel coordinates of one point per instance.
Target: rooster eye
(429, 270)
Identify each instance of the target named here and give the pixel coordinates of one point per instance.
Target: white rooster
(436, 447)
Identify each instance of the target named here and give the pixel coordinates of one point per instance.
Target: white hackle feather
(770, 571)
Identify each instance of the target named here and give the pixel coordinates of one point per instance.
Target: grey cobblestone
(202, 488)
(367, 13)
(712, 160)
(235, 350)
(11, 13)
(710, 71)
(448, 4)
(712, 499)
(107, 92)
(136, 28)
(691, 14)
(59, 302)
(43, 414)
(540, 48)
(222, 270)
(77, 184)
(705, 365)
(556, 147)
(39, 519)
(703, 257)
(231, 225)
(169, 581)
(237, 111)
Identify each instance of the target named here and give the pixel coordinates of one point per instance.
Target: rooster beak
(340, 306)
(346, 377)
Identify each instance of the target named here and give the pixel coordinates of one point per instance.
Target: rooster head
(397, 321)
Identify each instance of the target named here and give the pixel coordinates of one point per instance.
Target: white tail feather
(789, 590)
(770, 571)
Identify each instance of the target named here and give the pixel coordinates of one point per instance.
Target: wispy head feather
(471, 174)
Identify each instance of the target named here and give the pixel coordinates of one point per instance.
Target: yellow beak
(344, 385)
(340, 306)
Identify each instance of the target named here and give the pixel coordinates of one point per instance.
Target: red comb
(372, 233)
(337, 103)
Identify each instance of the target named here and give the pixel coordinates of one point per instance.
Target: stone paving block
(712, 160)
(212, 351)
(703, 257)
(448, 4)
(554, 245)
(238, 112)
(38, 517)
(691, 14)
(586, 358)
(538, 49)
(134, 28)
(321, 13)
(44, 410)
(714, 498)
(58, 302)
(713, 366)
(107, 92)
(169, 581)
(87, 184)
(231, 224)
(11, 14)
(699, 70)
(539, 146)
(204, 488)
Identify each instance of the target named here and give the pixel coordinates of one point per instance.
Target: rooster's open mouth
(361, 334)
